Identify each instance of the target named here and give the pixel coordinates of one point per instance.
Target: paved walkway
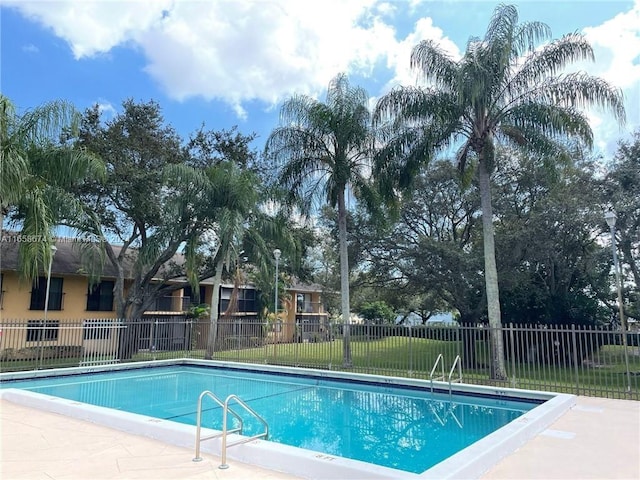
(597, 439)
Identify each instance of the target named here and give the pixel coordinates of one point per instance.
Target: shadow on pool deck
(597, 439)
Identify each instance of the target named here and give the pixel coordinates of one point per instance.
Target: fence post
(513, 355)
(367, 341)
(40, 347)
(575, 357)
(410, 351)
(297, 340)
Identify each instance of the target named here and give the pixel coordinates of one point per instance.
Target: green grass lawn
(602, 375)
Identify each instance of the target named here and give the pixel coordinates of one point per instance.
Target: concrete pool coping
(596, 439)
(469, 463)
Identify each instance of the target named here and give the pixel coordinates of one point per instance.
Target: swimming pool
(399, 425)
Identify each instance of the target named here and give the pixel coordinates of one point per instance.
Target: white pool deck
(597, 439)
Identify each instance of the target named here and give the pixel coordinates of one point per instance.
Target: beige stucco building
(79, 314)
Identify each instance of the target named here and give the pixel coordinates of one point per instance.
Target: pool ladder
(449, 411)
(226, 431)
(456, 366)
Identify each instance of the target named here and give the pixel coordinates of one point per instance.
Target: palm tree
(324, 148)
(508, 88)
(216, 202)
(37, 173)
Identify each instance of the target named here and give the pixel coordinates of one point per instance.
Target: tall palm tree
(510, 88)
(324, 148)
(37, 173)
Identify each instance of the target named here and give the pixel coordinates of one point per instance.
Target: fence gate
(100, 340)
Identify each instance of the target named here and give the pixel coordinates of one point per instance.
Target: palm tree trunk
(498, 370)
(344, 281)
(212, 337)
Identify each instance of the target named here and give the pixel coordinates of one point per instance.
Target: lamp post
(610, 218)
(54, 249)
(276, 254)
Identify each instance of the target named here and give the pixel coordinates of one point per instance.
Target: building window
(225, 298)
(303, 303)
(247, 300)
(100, 297)
(190, 299)
(39, 330)
(164, 304)
(96, 330)
(39, 292)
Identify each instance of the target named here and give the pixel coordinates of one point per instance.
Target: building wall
(308, 319)
(19, 321)
(16, 300)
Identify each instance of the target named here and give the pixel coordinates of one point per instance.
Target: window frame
(101, 294)
(96, 330)
(43, 331)
(39, 293)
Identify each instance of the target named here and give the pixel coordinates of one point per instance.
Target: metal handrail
(453, 414)
(448, 412)
(439, 360)
(264, 434)
(200, 439)
(456, 362)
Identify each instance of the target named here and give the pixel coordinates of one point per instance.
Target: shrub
(48, 352)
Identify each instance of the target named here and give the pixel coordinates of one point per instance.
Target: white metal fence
(580, 360)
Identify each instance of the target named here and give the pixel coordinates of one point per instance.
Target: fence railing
(571, 359)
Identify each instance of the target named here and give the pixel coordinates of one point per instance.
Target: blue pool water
(404, 428)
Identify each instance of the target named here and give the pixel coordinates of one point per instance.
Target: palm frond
(411, 105)
(534, 139)
(433, 64)
(550, 120)
(502, 24)
(581, 91)
(34, 256)
(550, 60)
(527, 37)
(185, 177)
(52, 120)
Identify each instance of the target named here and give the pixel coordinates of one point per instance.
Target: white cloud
(30, 48)
(92, 27)
(399, 54)
(240, 50)
(616, 45)
(244, 50)
(234, 50)
(106, 108)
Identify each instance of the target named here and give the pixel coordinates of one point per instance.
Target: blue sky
(232, 62)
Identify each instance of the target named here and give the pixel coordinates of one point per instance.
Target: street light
(276, 255)
(610, 218)
(54, 249)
